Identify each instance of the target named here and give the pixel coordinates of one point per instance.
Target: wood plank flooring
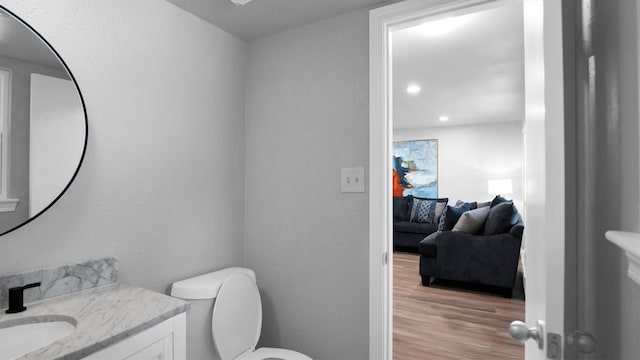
(448, 320)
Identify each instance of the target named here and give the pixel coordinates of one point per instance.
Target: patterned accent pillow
(441, 203)
(423, 211)
(443, 219)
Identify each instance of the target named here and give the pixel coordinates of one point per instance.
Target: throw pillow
(472, 221)
(498, 200)
(473, 205)
(450, 216)
(501, 218)
(400, 208)
(483, 204)
(440, 205)
(423, 211)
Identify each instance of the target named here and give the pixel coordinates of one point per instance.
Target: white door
(544, 161)
(544, 165)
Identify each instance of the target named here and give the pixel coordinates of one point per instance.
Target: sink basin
(24, 335)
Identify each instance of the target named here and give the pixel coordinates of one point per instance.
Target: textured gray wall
(608, 181)
(629, 181)
(307, 116)
(161, 185)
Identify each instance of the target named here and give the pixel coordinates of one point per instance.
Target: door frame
(381, 21)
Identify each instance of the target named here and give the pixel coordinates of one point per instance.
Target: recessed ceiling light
(444, 118)
(413, 89)
(240, 2)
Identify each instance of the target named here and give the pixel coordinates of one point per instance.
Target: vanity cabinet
(164, 341)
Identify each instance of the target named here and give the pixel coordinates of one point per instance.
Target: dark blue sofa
(482, 259)
(406, 234)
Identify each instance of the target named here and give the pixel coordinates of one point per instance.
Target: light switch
(352, 179)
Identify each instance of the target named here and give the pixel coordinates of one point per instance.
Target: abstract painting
(415, 167)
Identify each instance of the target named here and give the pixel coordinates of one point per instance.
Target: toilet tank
(206, 286)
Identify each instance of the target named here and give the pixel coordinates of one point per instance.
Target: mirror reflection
(42, 124)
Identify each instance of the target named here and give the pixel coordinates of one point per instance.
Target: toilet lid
(237, 316)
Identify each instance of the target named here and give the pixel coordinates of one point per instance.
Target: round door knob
(583, 341)
(520, 332)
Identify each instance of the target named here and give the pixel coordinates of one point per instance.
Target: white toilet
(237, 313)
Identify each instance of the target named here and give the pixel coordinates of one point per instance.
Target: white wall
(161, 186)
(471, 155)
(307, 116)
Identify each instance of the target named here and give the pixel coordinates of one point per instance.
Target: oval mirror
(43, 124)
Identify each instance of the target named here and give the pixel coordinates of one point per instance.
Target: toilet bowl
(237, 313)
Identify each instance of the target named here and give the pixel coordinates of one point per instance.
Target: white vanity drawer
(165, 341)
(160, 350)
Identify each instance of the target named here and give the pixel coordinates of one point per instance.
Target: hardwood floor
(449, 320)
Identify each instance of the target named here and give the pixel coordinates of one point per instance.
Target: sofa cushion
(415, 228)
(450, 216)
(401, 208)
(501, 218)
(472, 221)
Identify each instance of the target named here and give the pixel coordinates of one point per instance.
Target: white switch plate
(352, 179)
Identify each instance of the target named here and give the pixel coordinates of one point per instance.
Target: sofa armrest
(517, 230)
(428, 246)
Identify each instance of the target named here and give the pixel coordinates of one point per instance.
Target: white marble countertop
(104, 315)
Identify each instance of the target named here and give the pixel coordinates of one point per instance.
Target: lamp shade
(500, 187)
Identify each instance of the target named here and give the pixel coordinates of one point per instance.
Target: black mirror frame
(84, 111)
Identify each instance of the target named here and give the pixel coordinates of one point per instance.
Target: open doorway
(457, 109)
(547, 174)
(544, 156)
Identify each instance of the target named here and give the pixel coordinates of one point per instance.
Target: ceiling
(19, 42)
(472, 73)
(265, 17)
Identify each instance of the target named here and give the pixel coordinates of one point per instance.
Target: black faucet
(16, 298)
